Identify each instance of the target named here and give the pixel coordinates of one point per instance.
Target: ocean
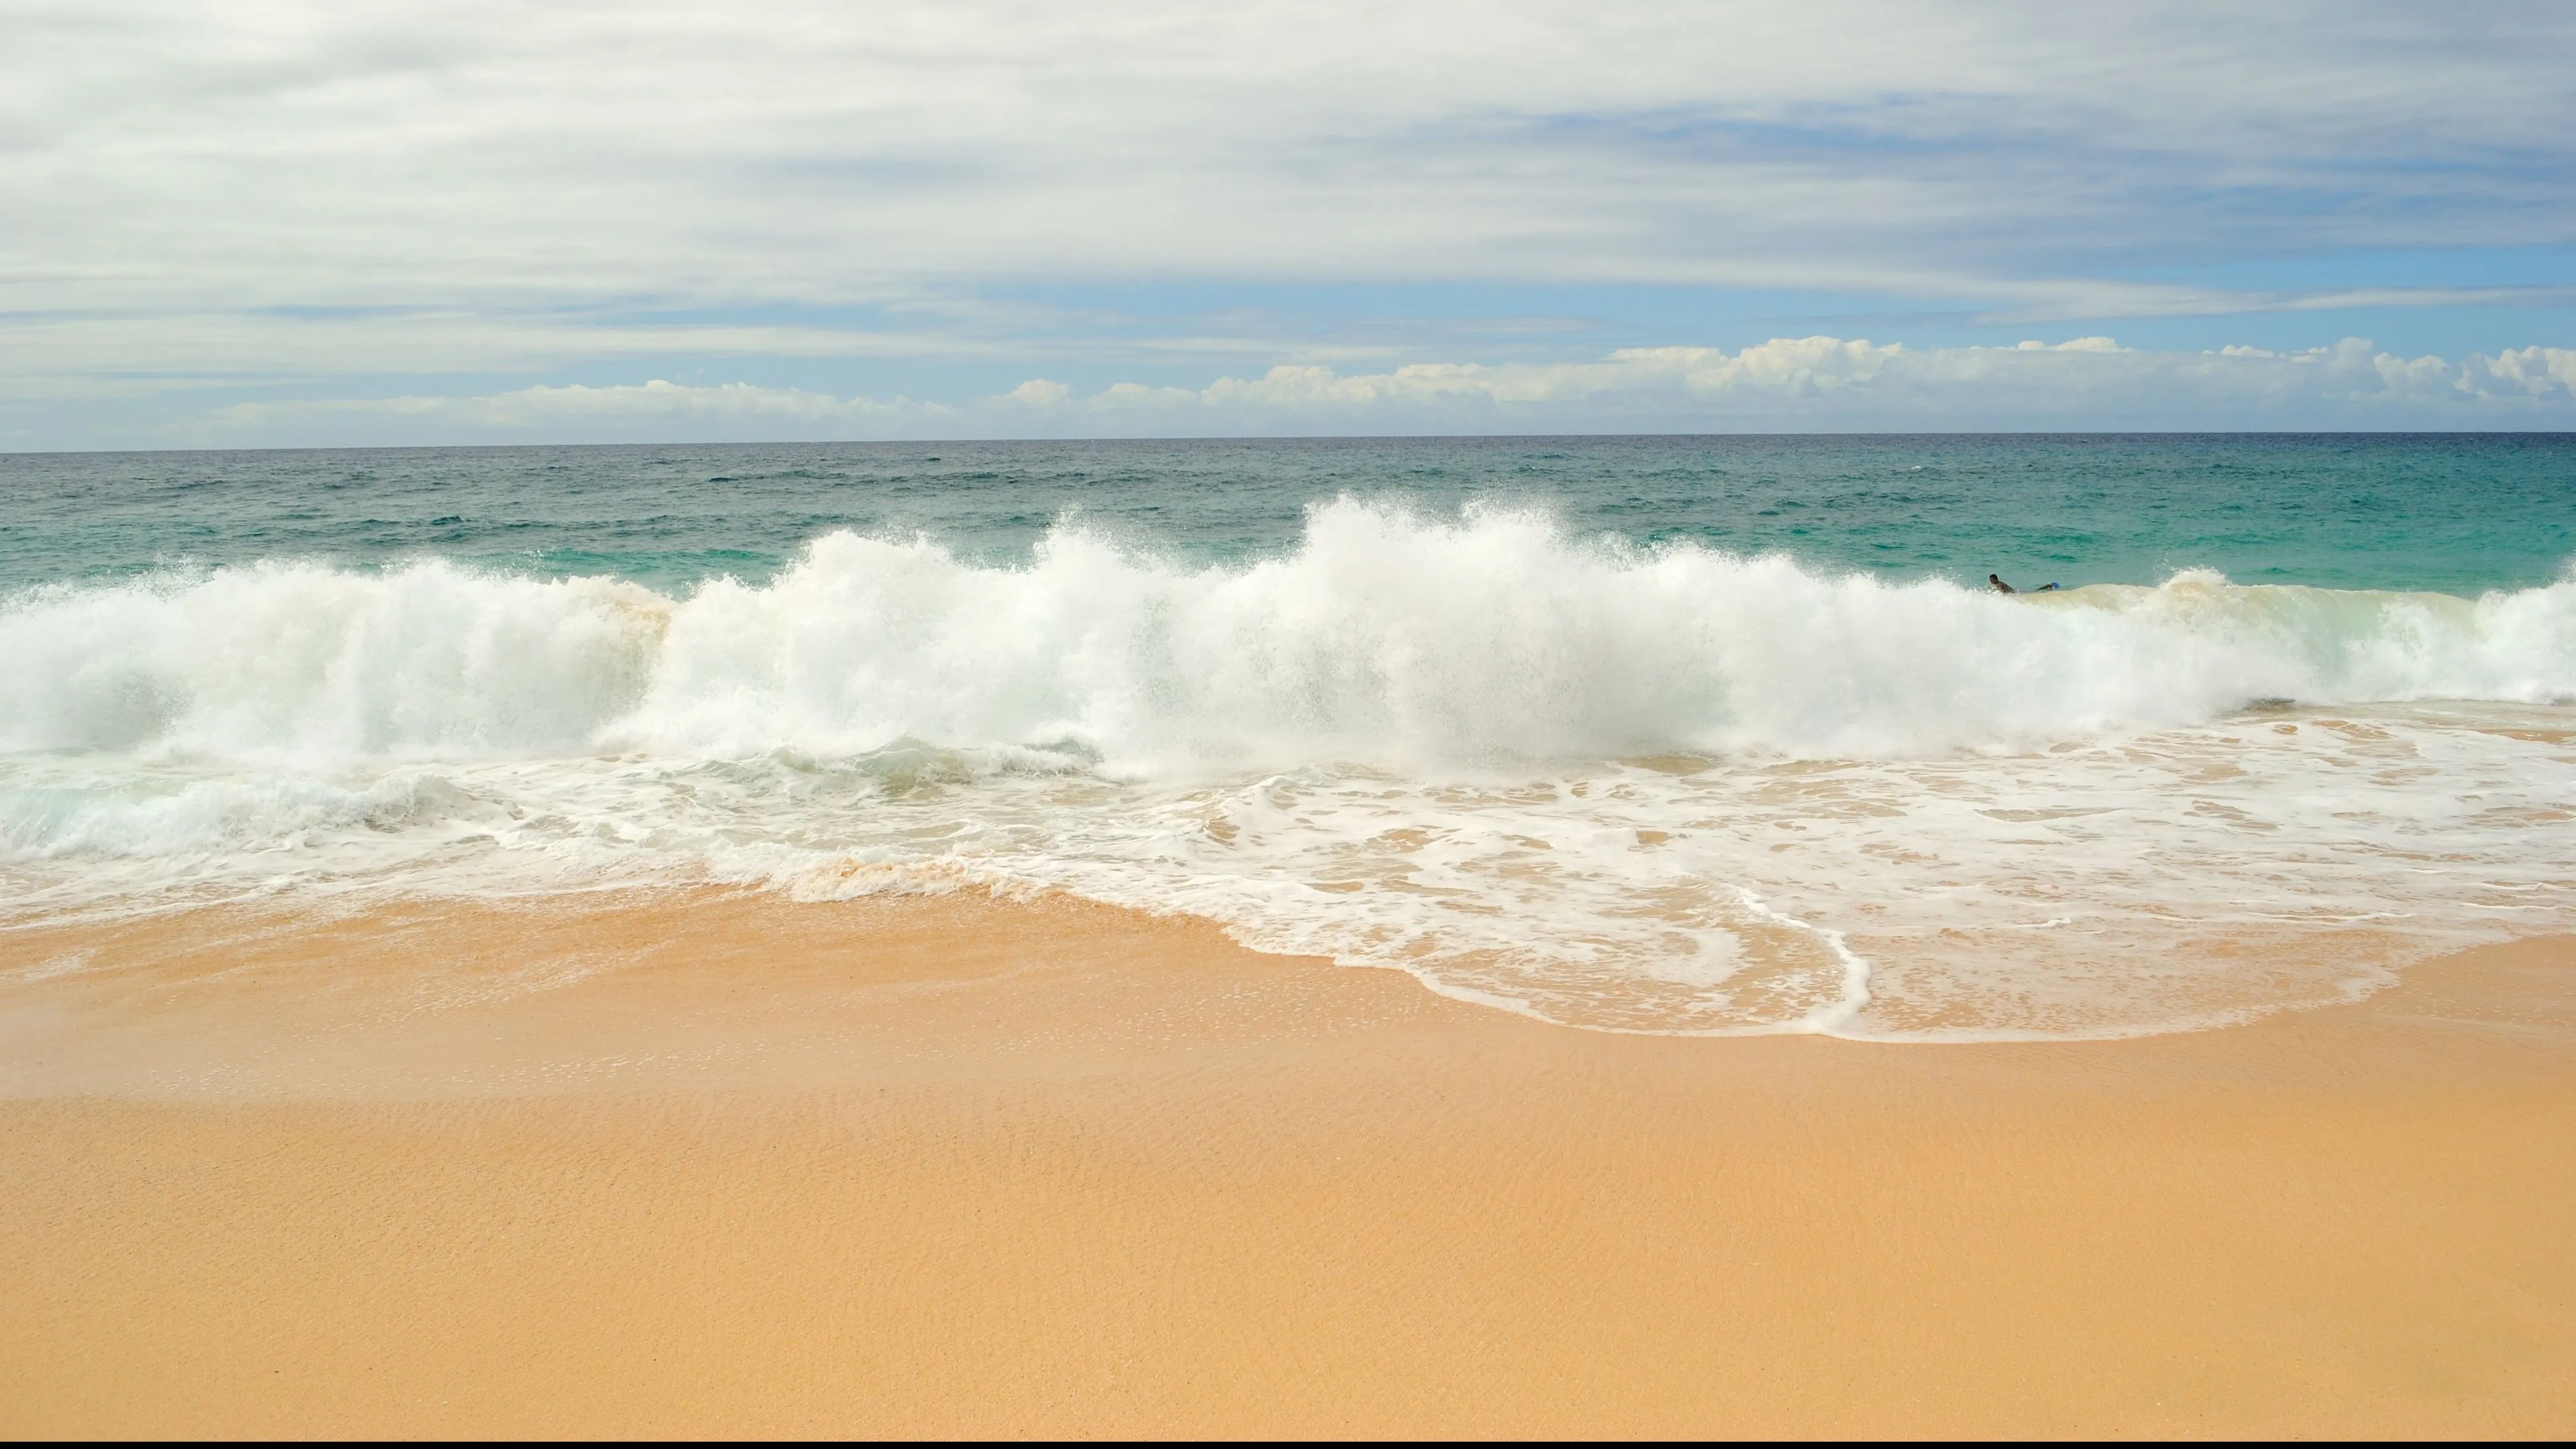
(1673, 735)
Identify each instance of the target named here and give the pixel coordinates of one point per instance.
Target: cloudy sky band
(248, 204)
(1826, 384)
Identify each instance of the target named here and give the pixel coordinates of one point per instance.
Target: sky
(239, 223)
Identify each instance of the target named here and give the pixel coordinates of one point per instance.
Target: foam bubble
(1649, 789)
(1383, 638)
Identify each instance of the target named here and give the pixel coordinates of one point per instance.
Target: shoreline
(723, 1163)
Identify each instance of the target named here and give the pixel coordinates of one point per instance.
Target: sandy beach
(708, 1163)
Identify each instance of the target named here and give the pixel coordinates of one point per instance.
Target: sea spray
(1382, 638)
(1652, 788)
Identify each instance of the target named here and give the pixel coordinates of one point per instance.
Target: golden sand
(723, 1164)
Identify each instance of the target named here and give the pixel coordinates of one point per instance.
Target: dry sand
(716, 1164)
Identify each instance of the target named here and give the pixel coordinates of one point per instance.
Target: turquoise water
(1644, 734)
(2458, 513)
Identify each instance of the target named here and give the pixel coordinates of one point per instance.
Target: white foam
(1660, 789)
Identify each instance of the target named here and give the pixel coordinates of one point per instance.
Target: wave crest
(1383, 637)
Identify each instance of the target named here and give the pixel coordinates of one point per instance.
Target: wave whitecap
(1382, 638)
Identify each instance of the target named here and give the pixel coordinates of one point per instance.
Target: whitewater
(1663, 788)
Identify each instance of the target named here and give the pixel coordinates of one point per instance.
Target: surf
(1382, 637)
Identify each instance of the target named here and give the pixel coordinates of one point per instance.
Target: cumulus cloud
(1785, 384)
(1824, 381)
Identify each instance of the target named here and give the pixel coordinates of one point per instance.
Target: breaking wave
(1382, 638)
(1653, 789)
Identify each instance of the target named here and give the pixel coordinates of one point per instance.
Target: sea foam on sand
(1663, 789)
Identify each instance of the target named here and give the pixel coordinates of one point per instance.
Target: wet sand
(722, 1164)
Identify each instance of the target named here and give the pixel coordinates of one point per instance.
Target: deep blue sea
(1653, 734)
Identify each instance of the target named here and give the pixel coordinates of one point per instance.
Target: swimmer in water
(2004, 588)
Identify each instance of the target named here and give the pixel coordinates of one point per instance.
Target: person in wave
(2004, 588)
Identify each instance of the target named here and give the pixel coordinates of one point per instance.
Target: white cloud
(246, 152)
(267, 190)
(2087, 381)
(2543, 374)
(1786, 384)
(656, 410)
(43, 356)
(1038, 392)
